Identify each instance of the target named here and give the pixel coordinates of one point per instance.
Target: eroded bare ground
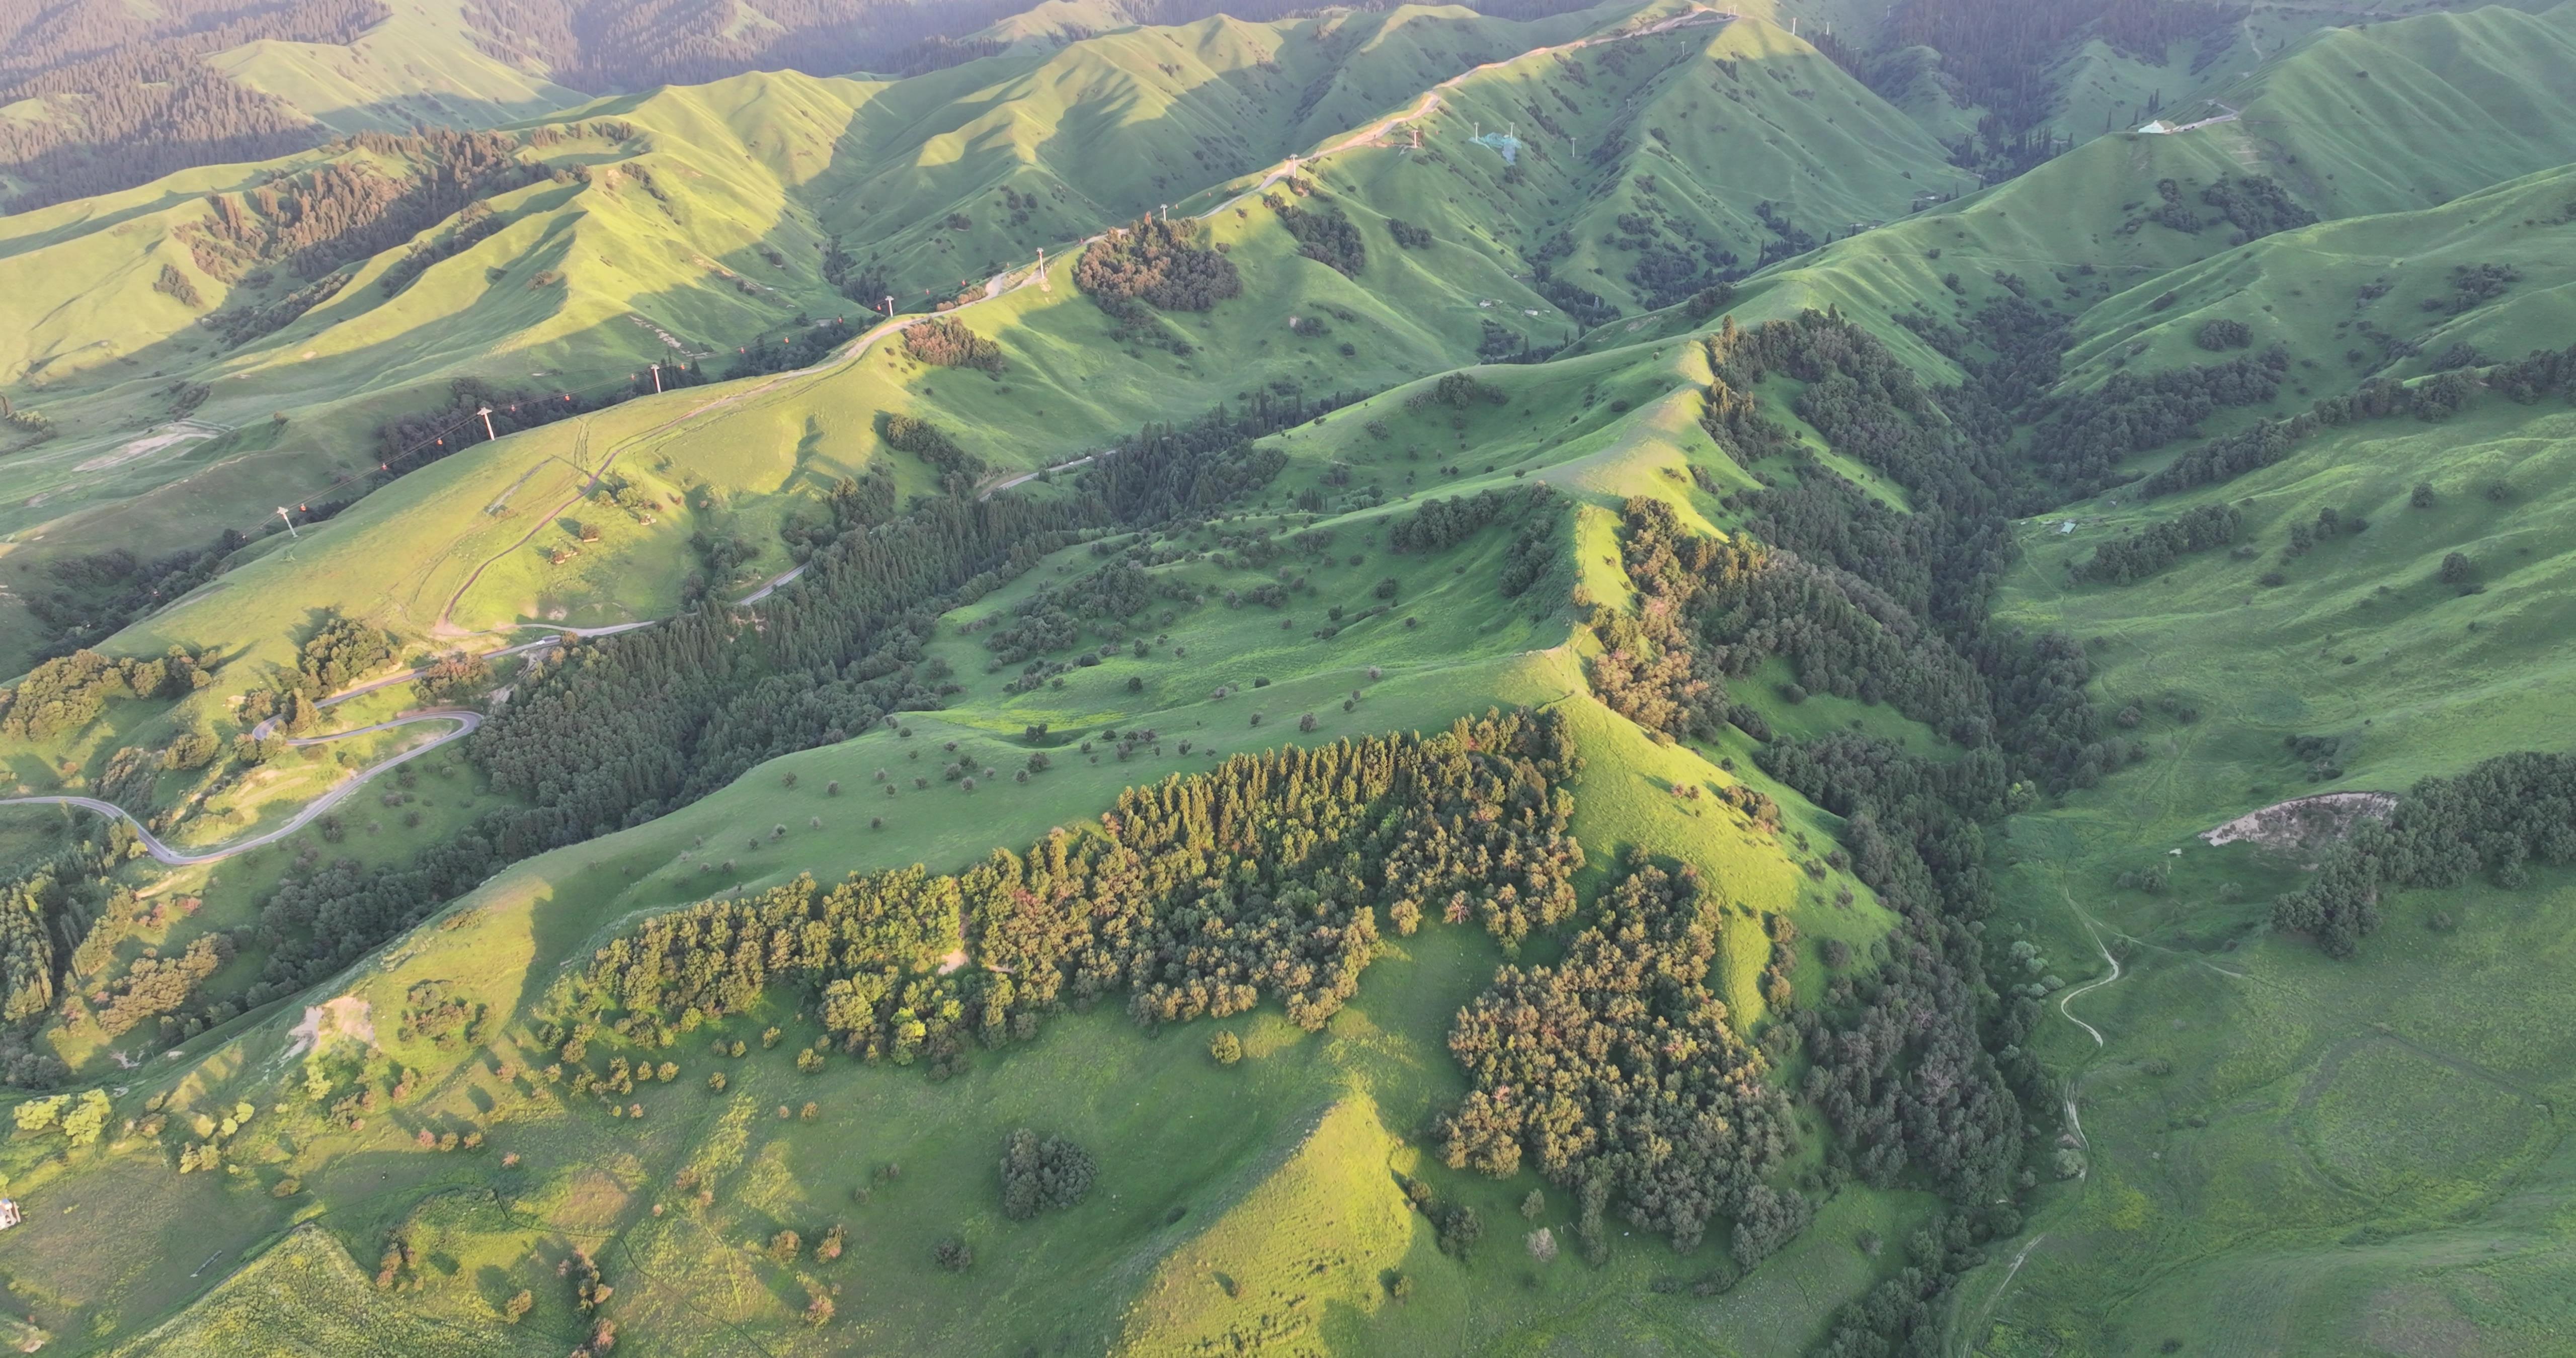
(2303, 823)
(346, 1016)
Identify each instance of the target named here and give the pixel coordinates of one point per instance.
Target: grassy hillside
(421, 67)
(2093, 232)
(1193, 1153)
(2401, 295)
(2288, 1151)
(702, 225)
(1881, 621)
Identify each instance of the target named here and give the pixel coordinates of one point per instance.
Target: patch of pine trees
(1686, 1131)
(1265, 878)
(2135, 556)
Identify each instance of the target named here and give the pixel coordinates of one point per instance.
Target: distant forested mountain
(127, 98)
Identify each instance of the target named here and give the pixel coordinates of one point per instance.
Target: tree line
(313, 221)
(1324, 233)
(614, 731)
(2080, 440)
(1264, 878)
(2527, 381)
(2495, 819)
(2135, 556)
(68, 693)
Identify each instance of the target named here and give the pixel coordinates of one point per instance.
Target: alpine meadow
(1785, 679)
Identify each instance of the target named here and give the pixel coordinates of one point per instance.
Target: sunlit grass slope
(706, 229)
(2452, 104)
(1300, 1140)
(2396, 294)
(1258, 1174)
(420, 67)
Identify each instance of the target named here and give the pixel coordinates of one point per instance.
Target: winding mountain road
(466, 722)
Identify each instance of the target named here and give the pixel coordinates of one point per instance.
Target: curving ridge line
(466, 722)
(998, 284)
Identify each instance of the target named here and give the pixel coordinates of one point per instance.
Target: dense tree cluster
(68, 693)
(2494, 819)
(239, 325)
(615, 734)
(2001, 52)
(957, 468)
(96, 594)
(349, 209)
(2473, 286)
(476, 222)
(1616, 1073)
(27, 968)
(1905, 1315)
(155, 986)
(1172, 470)
(1053, 618)
(1043, 1174)
(1898, 1061)
(1735, 420)
(802, 347)
(339, 653)
(2256, 205)
(177, 284)
(1891, 608)
(1442, 524)
(1199, 896)
(1940, 562)
(2081, 440)
(1458, 391)
(1323, 234)
(75, 895)
(612, 45)
(945, 342)
(324, 915)
(2220, 334)
(2135, 556)
(1711, 610)
(1155, 262)
(1651, 669)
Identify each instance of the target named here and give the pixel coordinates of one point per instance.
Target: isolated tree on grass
(1038, 1175)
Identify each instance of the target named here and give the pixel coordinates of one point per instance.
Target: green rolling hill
(1591, 704)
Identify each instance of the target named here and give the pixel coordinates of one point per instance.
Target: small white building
(2157, 128)
(8, 1213)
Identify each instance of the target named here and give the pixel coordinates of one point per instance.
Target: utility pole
(1043, 284)
(290, 522)
(486, 413)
